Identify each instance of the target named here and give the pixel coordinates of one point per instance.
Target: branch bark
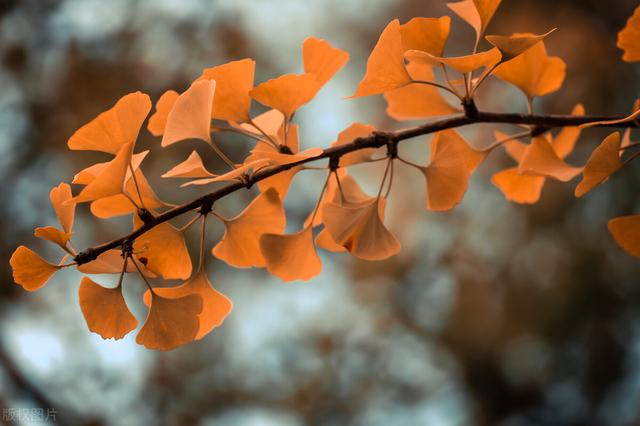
(375, 140)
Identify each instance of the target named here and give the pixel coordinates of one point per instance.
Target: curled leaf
(53, 235)
(192, 167)
(462, 64)
(603, 162)
(158, 121)
(516, 44)
(64, 211)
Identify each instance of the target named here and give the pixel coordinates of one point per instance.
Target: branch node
(206, 207)
(392, 148)
(145, 216)
(334, 163)
(470, 108)
(85, 256)
(283, 149)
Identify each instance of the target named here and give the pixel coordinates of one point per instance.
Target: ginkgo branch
(375, 140)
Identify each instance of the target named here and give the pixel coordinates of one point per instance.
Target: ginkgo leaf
(233, 80)
(215, 305)
(171, 322)
(463, 64)
(158, 120)
(269, 122)
(516, 44)
(105, 310)
(119, 205)
(54, 235)
(451, 165)
(192, 167)
(629, 36)
(165, 251)
(540, 159)
(111, 262)
(30, 270)
(110, 181)
(564, 142)
(477, 13)
(416, 100)
(291, 257)
(603, 162)
(626, 232)
(325, 241)
(64, 211)
(360, 229)
(190, 117)
(426, 34)
(322, 60)
(533, 72)
(519, 188)
(348, 135)
(233, 175)
(286, 93)
(114, 128)
(385, 66)
(87, 175)
(240, 244)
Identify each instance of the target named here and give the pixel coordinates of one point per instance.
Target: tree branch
(375, 140)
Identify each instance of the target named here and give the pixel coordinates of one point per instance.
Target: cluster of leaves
(408, 67)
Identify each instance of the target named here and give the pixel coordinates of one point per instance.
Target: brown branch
(375, 140)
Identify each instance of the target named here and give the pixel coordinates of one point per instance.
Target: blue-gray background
(492, 314)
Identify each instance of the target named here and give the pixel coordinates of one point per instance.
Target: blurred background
(492, 314)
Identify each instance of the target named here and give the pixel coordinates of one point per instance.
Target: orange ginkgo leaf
(564, 142)
(240, 244)
(463, 64)
(359, 229)
(114, 128)
(269, 122)
(477, 13)
(516, 44)
(30, 270)
(64, 211)
(233, 80)
(88, 175)
(603, 162)
(534, 72)
(190, 117)
(519, 188)
(348, 135)
(322, 60)
(192, 167)
(119, 205)
(626, 232)
(540, 159)
(629, 38)
(385, 66)
(286, 93)
(215, 305)
(291, 257)
(416, 100)
(237, 174)
(105, 310)
(110, 181)
(111, 262)
(426, 34)
(171, 322)
(165, 251)
(448, 172)
(158, 120)
(53, 235)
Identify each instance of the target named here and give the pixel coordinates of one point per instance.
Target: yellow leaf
(30, 270)
(114, 128)
(603, 162)
(105, 310)
(540, 159)
(516, 44)
(426, 34)
(291, 257)
(519, 188)
(385, 67)
(233, 80)
(190, 117)
(462, 64)
(629, 38)
(158, 121)
(626, 232)
(322, 60)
